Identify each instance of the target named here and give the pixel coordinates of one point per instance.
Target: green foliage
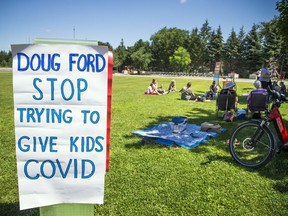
(253, 50)
(231, 52)
(152, 179)
(205, 35)
(119, 56)
(110, 48)
(241, 60)
(141, 59)
(242, 53)
(282, 7)
(180, 60)
(196, 49)
(272, 42)
(215, 47)
(5, 59)
(163, 45)
(140, 55)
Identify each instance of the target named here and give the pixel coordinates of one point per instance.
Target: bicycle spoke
(252, 145)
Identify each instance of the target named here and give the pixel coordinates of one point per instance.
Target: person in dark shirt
(187, 93)
(229, 89)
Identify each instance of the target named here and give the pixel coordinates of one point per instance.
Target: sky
(22, 21)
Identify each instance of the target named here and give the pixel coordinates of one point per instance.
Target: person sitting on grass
(187, 93)
(213, 91)
(150, 90)
(153, 89)
(172, 86)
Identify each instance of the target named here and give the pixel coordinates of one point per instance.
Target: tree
(163, 45)
(253, 49)
(282, 7)
(180, 60)
(5, 59)
(119, 56)
(231, 52)
(215, 47)
(196, 50)
(105, 44)
(218, 45)
(272, 42)
(141, 59)
(141, 55)
(241, 60)
(205, 35)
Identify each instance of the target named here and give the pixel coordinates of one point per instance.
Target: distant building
(234, 75)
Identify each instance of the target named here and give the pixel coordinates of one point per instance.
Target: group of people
(279, 87)
(186, 92)
(261, 85)
(154, 89)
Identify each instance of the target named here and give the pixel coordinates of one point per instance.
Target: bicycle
(253, 143)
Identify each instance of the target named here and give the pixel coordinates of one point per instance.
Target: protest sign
(60, 113)
(217, 71)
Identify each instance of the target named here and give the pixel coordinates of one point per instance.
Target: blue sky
(111, 20)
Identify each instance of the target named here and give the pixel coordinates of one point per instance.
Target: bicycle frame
(275, 116)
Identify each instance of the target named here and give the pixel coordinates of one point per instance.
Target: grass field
(152, 179)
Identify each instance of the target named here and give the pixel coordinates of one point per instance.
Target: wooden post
(68, 210)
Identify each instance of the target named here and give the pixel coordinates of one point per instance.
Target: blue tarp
(189, 138)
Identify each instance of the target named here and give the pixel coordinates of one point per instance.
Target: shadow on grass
(242, 100)
(282, 187)
(211, 158)
(206, 116)
(8, 209)
(276, 169)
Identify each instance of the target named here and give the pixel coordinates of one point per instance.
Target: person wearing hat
(229, 86)
(265, 75)
(229, 89)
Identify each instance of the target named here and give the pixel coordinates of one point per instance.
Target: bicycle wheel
(251, 145)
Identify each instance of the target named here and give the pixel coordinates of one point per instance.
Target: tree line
(5, 59)
(173, 49)
(197, 51)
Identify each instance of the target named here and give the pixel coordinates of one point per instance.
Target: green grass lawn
(152, 179)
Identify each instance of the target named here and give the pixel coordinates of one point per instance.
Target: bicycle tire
(252, 154)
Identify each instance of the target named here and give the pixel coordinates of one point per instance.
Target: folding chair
(257, 104)
(222, 104)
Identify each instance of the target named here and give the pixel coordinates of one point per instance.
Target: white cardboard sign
(60, 113)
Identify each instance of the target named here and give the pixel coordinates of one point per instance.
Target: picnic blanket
(189, 138)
